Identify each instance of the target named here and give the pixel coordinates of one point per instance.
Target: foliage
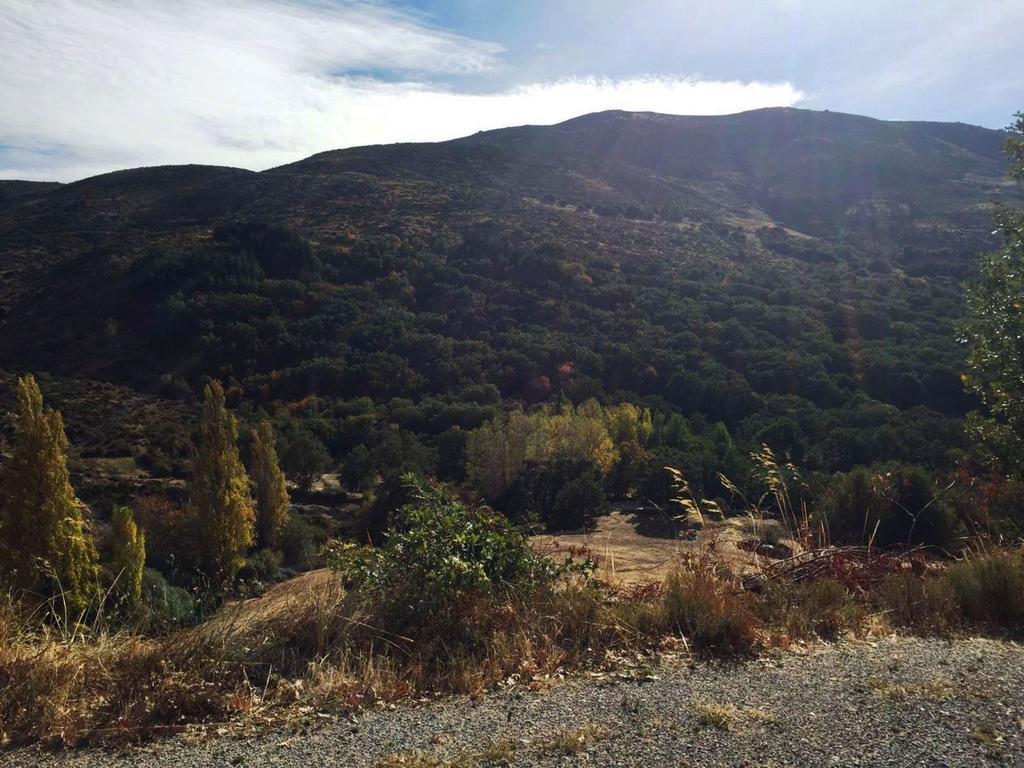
(553, 460)
(562, 493)
(172, 537)
(129, 556)
(994, 331)
(271, 491)
(165, 606)
(44, 545)
(220, 492)
(989, 588)
(898, 507)
(300, 543)
(439, 552)
(302, 454)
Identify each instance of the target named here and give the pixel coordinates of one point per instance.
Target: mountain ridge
(765, 267)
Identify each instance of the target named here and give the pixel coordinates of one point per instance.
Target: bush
(564, 494)
(710, 611)
(990, 589)
(171, 536)
(301, 542)
(863, 505)
(927, 605)
(265, 564)
(822, 609)
(165, 606)
(578, 504)
(438, 553)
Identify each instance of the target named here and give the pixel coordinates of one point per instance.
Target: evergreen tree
(129, 550)
(271, 491)
(45, 546)
(220, 491)
(994, 328)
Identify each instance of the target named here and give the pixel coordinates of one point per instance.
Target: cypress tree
(45, 546)
(271, 491)
(129, 550)
(220, 491)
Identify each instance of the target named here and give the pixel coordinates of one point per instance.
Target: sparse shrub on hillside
(165, 606)
(302, 455)
(562, 494)
(301, 541)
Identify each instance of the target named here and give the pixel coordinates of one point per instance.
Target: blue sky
(95, 85)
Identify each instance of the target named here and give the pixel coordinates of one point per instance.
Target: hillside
(790, 275)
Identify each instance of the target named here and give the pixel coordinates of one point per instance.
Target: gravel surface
(897, 702)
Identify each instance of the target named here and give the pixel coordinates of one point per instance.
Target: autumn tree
(994, 329)
(220, 491)
(271, 491)
(44, 544)
(497, 451)
(129, 556)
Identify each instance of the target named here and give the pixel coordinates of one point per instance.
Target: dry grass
(928, 690)
(571, 741)
(635, 549)
(726, 717)
(496, 753)
(309, 645)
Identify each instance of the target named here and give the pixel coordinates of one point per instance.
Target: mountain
(792, 275)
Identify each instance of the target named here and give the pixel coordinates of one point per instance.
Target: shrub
(928, 605)
(265, 564)
(897, 508)
(564, 494)
(171, 533)
(301, 542)
(165, 606)
(710, 611)
(822, 608)
(990, 589)
(438, 553)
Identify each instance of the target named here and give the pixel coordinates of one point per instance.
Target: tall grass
(318, 645)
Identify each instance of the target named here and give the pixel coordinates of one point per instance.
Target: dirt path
(898, 702)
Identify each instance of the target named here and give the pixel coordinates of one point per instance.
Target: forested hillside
(781, 276)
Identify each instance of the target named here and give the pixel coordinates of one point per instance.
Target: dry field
(632, 547)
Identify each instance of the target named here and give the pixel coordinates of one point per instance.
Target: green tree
(994, 330)
(220, 491)
(129, 556)
(271, 490)
(303, 456)
(44, 544)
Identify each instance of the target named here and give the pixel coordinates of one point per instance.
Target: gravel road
(897, 702)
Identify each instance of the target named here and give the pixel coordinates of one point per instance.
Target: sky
(91, 86)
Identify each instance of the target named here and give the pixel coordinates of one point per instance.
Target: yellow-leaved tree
(128, 543)
(45, 548)
(271, 491)
(220, 492)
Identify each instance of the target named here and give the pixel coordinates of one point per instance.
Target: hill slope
(791, 274)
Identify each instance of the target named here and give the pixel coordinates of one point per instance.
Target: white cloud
(93, 85)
